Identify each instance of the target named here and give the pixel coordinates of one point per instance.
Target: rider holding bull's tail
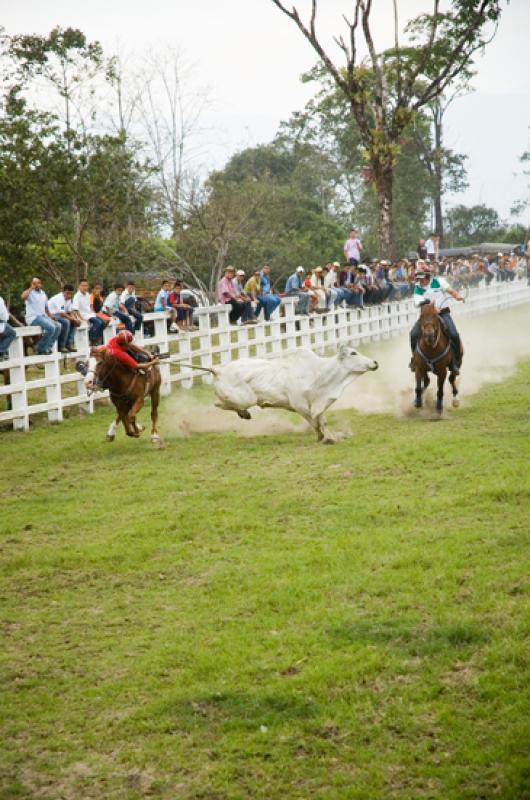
(434, 289)
(122, 347)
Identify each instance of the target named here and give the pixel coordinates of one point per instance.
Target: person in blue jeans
(37, 314)
(7, 333)
(115, 308)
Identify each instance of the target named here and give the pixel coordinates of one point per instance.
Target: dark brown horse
(433, 354)
(128, 390)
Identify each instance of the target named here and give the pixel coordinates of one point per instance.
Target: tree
(472, 225)
(384, 108)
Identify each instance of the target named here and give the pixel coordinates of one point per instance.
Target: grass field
(264, 618)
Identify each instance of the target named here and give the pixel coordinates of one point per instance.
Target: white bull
(301, 382)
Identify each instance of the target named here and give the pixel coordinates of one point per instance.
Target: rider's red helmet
(124, 337)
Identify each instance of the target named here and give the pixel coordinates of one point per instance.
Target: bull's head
(354, 362)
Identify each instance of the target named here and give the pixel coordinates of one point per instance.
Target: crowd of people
(356, 282)
(59, 316)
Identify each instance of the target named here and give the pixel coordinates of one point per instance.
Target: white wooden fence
(217, 342)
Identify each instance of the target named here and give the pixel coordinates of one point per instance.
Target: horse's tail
(202, 369)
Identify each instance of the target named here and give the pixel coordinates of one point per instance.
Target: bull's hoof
(417, 404)
(328, 439)
(243, 414)
(456, 402)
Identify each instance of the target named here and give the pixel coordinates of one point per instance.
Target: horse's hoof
(456, 402)
(140, 428)
(133, 435)
(110, 438)
(157, 442)
(417, 404)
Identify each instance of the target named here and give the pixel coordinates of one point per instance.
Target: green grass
(266, 618)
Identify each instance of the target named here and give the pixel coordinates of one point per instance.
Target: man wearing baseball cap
(295, 288)
(434, 289)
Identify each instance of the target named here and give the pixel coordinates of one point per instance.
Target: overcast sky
(251, 57)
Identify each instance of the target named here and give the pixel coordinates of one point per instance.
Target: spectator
(228, 295)
(129, 301)
(351, 283)
(183, 311)
(267, 299)
(97, 299)
(60, 308)
(430, 246)
(7, 333)
(81, 305)
(161, 304)
(295, 288)
(319, 290)
(352, 249)
(421, 250)
(239, 286)
(113, 306)
(37, 313)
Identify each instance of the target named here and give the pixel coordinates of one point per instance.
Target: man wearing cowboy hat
(434, 289)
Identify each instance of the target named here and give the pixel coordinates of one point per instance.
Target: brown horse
(433, 354)
(128, 390)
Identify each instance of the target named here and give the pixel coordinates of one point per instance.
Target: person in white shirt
(37, 314)
(352, 249)
(7, 333)
(435, 289)
(60, 308)
(430, 247)
(129, 301)
(81, 306)
(115, 308)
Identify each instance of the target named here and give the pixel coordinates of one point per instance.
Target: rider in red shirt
(119, 346)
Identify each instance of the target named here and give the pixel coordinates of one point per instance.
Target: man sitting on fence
(60, 307)
(37, 313)
(129, 301)
(7, 333)
(227, 294)
(115, 308)
(183, 311)
(295, 288)
(81, 306)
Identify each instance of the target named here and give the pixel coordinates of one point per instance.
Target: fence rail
(216, 342)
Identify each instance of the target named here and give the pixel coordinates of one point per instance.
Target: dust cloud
(493, 344)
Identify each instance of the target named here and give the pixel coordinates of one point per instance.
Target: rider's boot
(412, 365)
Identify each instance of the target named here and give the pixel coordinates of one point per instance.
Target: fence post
(17, 377)
(52, 372)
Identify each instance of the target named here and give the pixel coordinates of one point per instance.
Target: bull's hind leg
(237, 396)
(452, 381)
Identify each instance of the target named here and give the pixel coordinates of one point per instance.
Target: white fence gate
(217, 342)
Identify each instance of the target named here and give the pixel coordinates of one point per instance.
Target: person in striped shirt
(435, 289)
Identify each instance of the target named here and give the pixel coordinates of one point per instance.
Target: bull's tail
(202, 369)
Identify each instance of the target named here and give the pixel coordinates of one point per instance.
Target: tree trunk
(438, 174)
(384, 185)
